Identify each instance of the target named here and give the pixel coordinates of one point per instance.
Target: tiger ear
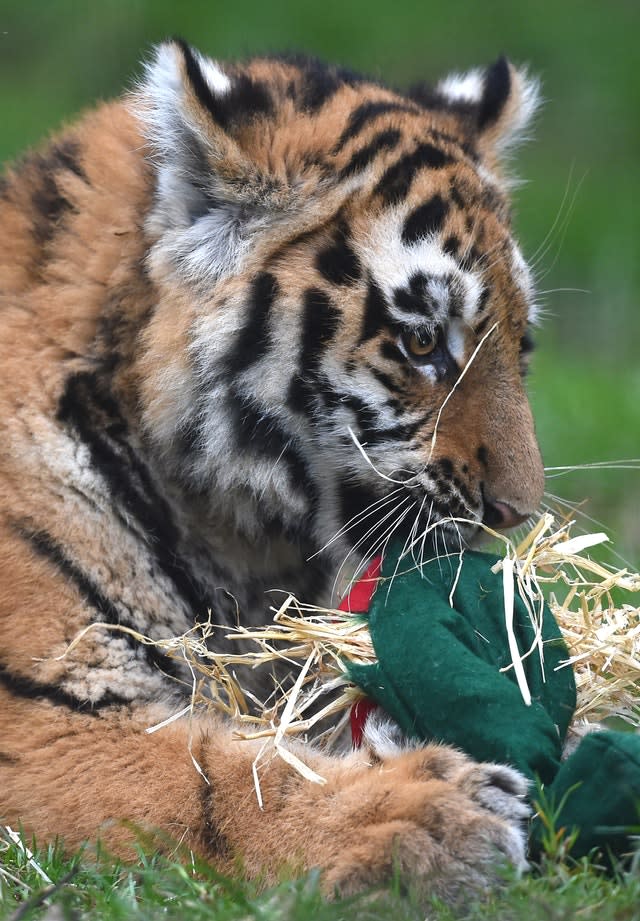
(498, 102)
(189, 107)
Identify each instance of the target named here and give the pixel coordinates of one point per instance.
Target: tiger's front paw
(446, 824)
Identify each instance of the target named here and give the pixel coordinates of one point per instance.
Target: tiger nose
(499, 515)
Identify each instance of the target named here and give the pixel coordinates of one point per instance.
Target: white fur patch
(216, 79)
(164, 83)
(200, 236)
(526, 93)
(392, 264)
(384, 738)
(463, 87)
(519, 110)
(524, 279)
(456, 340)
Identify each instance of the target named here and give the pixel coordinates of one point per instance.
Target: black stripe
(256, 428)
(366, 415)
(464, 491)
(386, 380)
(366, 113)
(253, 340)
(368, 420)
(401, 433)
(485, 294)
(353, 499)
(397, 180)
(65, 156)
(442, 468)
(197, 81)
(376, 313)
(483, 324)
(338, 263)
(456, 196)
(260, 431)
(246, 98)
(319, 327)
(391, 352)
(451, 245)
(88, 407)
(28, 688)
(215, 841)
(527, 344)
(319, 81)
(496, 90)
(300, 395)
(47, 548)
(415, 297)
(319, 85)
(49, 203)
(424, 220)
(384, 140)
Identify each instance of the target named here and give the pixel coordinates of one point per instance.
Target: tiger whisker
(409, 538)
(414, 528)
(563, 291)
(562, 230)
(424, 536)
(384, 545)
(575, 511)
(632, 463)
(271, 472)
(355, 519)
(379, 523)
(538, 253)
(383, 476)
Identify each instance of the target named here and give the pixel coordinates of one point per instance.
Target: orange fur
(97, 333)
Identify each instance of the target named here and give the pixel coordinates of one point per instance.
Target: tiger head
(349, 310)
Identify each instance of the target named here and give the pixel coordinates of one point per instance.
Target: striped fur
(255, 319)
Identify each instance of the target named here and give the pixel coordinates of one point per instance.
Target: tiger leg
(440, 820)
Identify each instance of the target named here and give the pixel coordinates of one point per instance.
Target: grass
(154, 887)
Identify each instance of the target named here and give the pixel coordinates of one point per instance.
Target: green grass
(154, 887)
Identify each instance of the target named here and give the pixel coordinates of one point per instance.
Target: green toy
(438, 674)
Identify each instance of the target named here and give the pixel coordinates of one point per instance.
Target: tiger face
(349, 308)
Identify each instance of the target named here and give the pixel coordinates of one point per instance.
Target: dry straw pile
(600, 627)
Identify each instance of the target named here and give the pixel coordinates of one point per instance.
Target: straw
(602, 634)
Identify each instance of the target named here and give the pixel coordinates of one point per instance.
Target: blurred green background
(578, 213)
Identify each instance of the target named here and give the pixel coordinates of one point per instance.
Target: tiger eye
(420, 344)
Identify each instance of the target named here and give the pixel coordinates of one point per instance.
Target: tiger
(256, 318)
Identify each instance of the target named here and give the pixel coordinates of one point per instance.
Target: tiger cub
(256, 319)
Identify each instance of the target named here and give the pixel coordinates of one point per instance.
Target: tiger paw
(445, 824)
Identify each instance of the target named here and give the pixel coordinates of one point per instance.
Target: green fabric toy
(438, 674)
